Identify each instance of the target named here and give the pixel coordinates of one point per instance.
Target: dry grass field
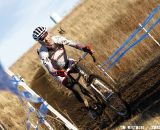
(12, 113)
(105, 24)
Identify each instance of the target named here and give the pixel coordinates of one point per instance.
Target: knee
(76, 87)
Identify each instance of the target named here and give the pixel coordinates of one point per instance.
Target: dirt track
(106, 24)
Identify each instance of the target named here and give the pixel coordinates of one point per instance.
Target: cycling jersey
(54, 57)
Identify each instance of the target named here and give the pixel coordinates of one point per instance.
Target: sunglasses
(43, 36)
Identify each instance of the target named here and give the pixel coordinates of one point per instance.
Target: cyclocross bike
(98, 90)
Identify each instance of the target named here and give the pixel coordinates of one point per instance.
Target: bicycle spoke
(108, 96)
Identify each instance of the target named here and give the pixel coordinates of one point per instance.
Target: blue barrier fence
(6, 82)
(131, 46)
(130, 38)
(11, 84)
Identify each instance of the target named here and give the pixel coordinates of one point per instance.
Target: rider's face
(47, 40)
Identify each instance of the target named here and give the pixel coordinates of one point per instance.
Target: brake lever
(93, 57)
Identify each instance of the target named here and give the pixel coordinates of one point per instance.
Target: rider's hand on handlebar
(94, 59)
(61, 73)
(88, 50)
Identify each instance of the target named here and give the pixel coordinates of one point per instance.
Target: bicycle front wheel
(108, 96)
(118, 105)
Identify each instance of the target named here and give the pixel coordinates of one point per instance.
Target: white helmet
(39, 32)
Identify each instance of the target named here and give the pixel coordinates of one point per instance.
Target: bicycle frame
(91, 85)
(76, 62)
(100, 90)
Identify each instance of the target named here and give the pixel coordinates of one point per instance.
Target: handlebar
(81, 58)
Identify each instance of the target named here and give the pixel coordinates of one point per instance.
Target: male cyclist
(54, 57)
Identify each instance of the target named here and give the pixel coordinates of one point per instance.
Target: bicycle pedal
(93, 114)
(98, 109)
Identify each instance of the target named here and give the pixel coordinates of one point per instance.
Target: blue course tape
(28, 123)
(132, 36)
(6, 83)
(15, 80)
(30, 97)
(11, 84)
(43, 111)
(134, 44)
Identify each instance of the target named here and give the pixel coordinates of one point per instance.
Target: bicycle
(98, 90)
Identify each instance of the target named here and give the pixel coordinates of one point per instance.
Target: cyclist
(54, 57)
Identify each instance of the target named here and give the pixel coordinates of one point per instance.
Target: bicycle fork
(104, 97)
(85, 77)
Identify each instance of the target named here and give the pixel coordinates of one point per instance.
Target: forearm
(48, 65)
(65, 41)
(53, 71)
(77, 46)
